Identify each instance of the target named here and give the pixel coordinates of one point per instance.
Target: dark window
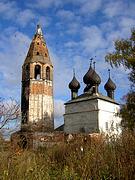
(47, 73)
(38, 43)
(106, 126)
(37, 53)
(37, 72)
(45, 54)
(27, 71)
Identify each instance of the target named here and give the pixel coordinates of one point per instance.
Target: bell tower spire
(39, 30)
(37, 85)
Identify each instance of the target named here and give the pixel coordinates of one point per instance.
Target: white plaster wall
(41, 108)
(108, 113)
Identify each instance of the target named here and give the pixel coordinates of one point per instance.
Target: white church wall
(109, 121)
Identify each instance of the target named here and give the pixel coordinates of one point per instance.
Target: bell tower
(37, 85)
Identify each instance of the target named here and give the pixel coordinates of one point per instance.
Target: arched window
(37, 72)
(47, 73)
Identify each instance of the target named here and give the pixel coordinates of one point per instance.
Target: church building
(37, 85)
(92, 112)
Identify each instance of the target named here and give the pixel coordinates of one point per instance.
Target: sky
(75, 31)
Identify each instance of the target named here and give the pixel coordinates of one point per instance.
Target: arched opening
(47, 73)
(37, 72)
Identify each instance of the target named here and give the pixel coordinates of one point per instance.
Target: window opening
(48, 73)
(37, 53)
(27, 71)
(37, 72)
(106, 125)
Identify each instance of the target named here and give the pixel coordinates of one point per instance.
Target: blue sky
(75, 31)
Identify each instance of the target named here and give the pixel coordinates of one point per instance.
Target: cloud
(59, 108)
(25, 16)
(59, 111)
(8, 10)
(119, 8)
(90, 6)
(127, 22)
(92, 39)
(65, 14)
(44, 4)
(14, 47)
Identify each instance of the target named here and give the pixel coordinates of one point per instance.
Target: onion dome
(96, 78)
(88, 76)
(110, 85)
(91, 77)
(74, 85)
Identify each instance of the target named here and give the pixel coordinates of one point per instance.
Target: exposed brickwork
(40, 88)
(37, 85)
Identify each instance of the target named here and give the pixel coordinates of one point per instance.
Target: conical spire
(39, 30)
(38, 51)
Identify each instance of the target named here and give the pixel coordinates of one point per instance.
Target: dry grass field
(98, 159)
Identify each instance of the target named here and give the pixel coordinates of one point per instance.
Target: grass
(101, 159)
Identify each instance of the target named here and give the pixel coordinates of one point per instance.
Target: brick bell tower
(37, 85)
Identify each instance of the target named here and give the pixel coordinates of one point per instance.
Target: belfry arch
(37, 72)
(48, 75)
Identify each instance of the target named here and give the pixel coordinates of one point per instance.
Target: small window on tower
(45, 54)
(37, 72)
(27, 71)
(47, 73)
(37, 53)
(38, 43)
(106, 126)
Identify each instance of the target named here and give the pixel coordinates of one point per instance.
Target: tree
(124, 54)
(9, 111)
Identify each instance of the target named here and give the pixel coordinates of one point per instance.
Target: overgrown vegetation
(98, 159)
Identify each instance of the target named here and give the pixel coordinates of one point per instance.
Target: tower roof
(110, 85)
(38, 51)
(91, 77)
(74, 84)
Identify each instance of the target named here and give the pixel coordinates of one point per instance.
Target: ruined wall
(41, 103)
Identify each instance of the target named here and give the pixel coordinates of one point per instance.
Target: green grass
(101, 159)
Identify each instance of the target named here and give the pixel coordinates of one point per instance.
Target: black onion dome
(88, 76)
(74, 84)
(91, 77)
(110, 85)
(96, 78)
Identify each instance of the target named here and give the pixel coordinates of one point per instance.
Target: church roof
(88, 97)
(74, 84)
(110, 85)
(91, 77)
(38, 51)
